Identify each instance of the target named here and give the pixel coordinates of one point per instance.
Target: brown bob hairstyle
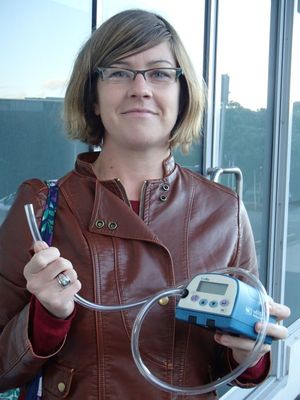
(127, 33)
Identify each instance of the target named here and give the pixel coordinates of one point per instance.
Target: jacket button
(112, 225)
(164, 301)
(163, 197)
(61, 387)
(165, 187)
(99, 223)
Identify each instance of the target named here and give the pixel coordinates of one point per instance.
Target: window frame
(281, 35)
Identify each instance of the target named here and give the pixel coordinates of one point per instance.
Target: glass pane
(189, 23)
(292, 283)
(242, 84)
(40, 40)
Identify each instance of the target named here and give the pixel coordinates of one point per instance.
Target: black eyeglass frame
(179, 72)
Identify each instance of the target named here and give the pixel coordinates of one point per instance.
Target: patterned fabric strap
(47, 224)
(10, 394)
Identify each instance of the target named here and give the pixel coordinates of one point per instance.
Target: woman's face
(138, 114)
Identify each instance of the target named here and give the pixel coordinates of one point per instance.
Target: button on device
(112, 225)
(194, 297)
(213, 303)
(61, 387)
(203, 302)
(224, 302)
(99, 223)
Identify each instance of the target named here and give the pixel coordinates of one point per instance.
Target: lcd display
(212, 287)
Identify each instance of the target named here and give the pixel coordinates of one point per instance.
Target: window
(40, 41)
(292, 282)
(243, 113)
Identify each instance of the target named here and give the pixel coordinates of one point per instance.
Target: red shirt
(46, 332)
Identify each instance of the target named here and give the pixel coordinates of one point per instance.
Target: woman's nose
(139, 87)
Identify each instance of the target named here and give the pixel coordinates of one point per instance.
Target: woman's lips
(139, 111)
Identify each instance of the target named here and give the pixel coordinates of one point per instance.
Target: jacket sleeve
(245, 256)
(18, 363)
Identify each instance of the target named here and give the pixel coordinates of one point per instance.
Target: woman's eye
(119, 74)
(160, 74)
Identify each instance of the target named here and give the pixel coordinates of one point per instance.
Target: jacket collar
(84, 164)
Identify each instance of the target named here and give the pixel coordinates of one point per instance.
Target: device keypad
(201, 297)
(195, 298)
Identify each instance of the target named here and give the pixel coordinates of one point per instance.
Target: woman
(129, 223)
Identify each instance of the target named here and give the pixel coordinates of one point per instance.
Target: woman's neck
(132, 169)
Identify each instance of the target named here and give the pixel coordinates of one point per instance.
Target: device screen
(212, 287)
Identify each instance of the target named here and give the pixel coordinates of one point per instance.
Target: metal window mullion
(210, 142)
(280, 166)
(94, 15)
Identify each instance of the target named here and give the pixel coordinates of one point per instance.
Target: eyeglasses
(157, 76)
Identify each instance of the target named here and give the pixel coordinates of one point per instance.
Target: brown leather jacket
(187, 225)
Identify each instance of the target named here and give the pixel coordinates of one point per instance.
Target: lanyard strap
(48, 218)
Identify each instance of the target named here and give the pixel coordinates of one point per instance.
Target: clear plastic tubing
(197, 390)
(29, 211)
(148, 303)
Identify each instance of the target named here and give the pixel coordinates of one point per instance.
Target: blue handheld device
(222, 302)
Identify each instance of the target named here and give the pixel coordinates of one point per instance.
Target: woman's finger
(239, 343)
(274, 330)
(39, 246)
(40, 260)
(280, 311)
(56, 267)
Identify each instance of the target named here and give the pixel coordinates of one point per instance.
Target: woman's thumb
(39, 245)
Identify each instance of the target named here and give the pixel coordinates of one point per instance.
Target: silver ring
(63, 280)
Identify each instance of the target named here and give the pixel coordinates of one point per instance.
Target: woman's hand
(241, 346)
(41, 274)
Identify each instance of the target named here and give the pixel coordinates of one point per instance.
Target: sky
(41, 38)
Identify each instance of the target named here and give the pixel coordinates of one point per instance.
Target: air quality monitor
(222, 302)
